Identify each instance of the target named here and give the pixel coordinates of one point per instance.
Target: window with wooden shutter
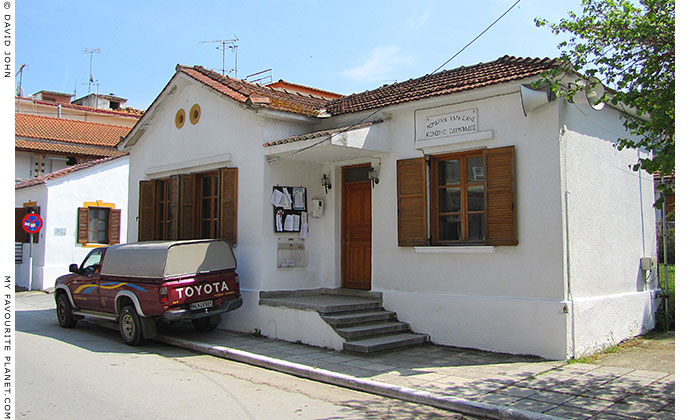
(83, 225)
(472, 199)
(412, 220)
(146, 210)
(186, 209)
(114, 228)
(98, 225)
(228, 204)
(502, 226)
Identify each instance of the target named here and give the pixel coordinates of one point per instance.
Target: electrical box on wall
(291, 253)
(648, 263)
(317, 207)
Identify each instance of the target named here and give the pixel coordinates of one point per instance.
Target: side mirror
(73, 268)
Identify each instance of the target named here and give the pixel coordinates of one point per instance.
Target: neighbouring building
(82, 206)
(481, 218)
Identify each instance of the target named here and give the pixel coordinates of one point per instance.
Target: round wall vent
(195, 114)
(179, 118)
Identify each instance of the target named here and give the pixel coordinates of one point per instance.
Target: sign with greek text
(450, 124)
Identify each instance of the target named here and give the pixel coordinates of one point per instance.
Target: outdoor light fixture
(373, 176)
(326, 182)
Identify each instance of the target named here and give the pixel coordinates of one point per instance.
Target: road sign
(32, 223)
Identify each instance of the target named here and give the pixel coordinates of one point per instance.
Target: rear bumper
(184, 314)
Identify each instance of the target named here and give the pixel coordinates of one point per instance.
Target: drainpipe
(59, 110)
(569, 291)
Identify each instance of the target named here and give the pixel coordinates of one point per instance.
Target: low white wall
(493, 323)
(281, 323)
(602, 322)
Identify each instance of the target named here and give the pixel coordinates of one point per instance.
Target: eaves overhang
(361, 140)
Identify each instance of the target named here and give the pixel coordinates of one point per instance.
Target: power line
(440, 67)
(477, 37)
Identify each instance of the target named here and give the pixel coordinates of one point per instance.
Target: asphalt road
(88, 373)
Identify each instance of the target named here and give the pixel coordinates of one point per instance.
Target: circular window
(195, 114)
(179, 118)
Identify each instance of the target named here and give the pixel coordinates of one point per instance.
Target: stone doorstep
(361, 331)
(356, 315)
(355, 318)
(387, 342)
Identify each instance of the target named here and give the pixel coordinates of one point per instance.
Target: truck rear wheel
(64, 312)
(130, 326)
(205, 324)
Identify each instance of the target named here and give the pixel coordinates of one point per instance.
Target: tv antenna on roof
(91, 51)
(226, 44)
(20, 72)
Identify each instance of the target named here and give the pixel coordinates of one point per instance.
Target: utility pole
(226, 44)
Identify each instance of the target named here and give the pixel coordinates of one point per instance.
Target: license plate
(201, 305)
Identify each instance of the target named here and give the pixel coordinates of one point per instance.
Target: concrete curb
(366, 385)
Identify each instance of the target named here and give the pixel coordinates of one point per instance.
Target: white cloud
(381, 64)
(421, 13)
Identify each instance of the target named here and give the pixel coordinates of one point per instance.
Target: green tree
(630, 47)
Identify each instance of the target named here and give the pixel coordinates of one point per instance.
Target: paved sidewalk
(467, 381)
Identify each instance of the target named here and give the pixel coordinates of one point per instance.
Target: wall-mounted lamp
(326, 182)
(373, 176)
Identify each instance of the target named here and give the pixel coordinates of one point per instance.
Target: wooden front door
(356, 228)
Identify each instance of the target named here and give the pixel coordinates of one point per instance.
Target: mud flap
(148, 327)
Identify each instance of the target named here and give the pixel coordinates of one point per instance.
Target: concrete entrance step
(368, 330)
(386, 342)
(339, 320)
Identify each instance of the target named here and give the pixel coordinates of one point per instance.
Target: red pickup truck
(137, 284)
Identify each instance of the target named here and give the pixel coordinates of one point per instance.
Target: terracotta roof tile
(254, 94)
(29, 126)
(504, 69)
(65, 148)
(62, 172)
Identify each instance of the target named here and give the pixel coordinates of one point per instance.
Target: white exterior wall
(610, 226)
(227, 135)
(22, 165)
(59, 200)
(510, 298)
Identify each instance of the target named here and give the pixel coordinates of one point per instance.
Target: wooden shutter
(82, 225)
(20, 234)
(114, 227)
(186, 207)
(174, 207)
(147, 214)
(502, 225)
(412, 205)
(228, 204)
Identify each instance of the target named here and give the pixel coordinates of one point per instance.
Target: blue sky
(345, 47)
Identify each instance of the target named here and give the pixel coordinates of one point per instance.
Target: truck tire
(64, 310)
(205, 324)
(130, 326)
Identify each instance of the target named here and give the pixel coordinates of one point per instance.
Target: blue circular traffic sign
(32, 223)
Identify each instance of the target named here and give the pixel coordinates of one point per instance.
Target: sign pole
(31, 258)
(32, 224)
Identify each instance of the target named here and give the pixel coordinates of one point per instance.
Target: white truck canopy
(165, 259)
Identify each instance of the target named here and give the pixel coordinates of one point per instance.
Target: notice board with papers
(290, 210)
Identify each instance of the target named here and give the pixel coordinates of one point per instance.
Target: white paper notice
(279, 221)
(304, 228)
(287, 200)
(276, 197)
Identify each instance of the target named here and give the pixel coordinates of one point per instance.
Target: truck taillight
(163, 294)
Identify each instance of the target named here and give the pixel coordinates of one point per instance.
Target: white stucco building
(82, 207)
(478, 225)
